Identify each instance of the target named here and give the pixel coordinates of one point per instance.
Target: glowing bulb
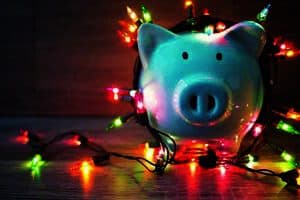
(291, 114)
(287, 127)
(262, 16)
(209, 29)
(206, 11)
(76, 140)
(132, 15)
(222, 170)
(257, 130)
(148, 152)
(23, 138)
(287, 157)
(290, 53)
(193, 167)
(220, 26)
(126, 38)
(35, 164)
(115, 90)
(116, 97)
(146, 14)
(117, 122)
(132, 28)
(283, 46)
(36, 159)
(251, 158)
(132, 93)
(188, 3)
(86, 167)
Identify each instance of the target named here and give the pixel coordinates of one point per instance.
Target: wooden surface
(121, 179)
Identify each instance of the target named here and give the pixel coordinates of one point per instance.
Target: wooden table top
(61, 178)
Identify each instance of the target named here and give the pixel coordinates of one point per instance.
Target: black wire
(60, 137)
(266, 172)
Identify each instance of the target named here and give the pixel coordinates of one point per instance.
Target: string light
(209, 29)
(35, 164)
(146, 14)
(128, 26)
(148, 152)
(23, 137)
(262, 15)
(222, 170)
(132, 93)
(220, 26)
(132, 15)
(283, 46)
(287, 128)
(291, 114)
(76, 140)
(290, 53)
(193, 167)
(188, 3)
(117, 122)
(126, 38)
(116, 93)
(86, 167)
(206, 12)
(288, 157)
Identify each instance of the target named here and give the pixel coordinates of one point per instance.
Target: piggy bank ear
(150, 36)
(249, 34)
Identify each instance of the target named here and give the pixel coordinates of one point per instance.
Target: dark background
(58, 56)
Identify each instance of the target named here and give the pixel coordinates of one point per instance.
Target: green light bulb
(36, 159)
(146, 14)
(262, 16)
(287, 157)
(35, 165)
(209, 30)
(117, 122)
(36, 162)
(251, 158)
(287, 127)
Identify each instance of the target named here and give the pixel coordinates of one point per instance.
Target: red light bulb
(220, 26)
(23, 137)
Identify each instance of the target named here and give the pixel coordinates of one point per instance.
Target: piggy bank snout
(202, 101)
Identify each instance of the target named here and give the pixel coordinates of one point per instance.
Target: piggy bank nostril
(193, 102)
(211, 103)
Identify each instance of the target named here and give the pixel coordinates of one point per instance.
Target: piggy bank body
(202, 86)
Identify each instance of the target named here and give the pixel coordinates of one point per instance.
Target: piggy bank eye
(185, 55)
(219, 56)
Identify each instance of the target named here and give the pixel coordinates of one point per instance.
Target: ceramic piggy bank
(202, 86)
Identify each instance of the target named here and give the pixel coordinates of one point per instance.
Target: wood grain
(121, 179)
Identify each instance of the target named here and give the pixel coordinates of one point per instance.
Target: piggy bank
(197, 85)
